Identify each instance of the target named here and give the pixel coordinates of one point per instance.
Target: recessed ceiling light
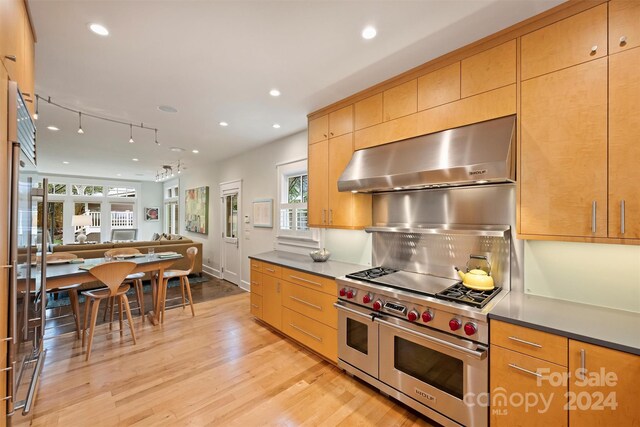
(118, 174)
(195, 151)
(224, 124)
(134, 159)
(99, 29)
(168, 109)
(276, 126)
(53, 128)
(369, 32)
(65, 163)
(176, 149)
(274, 92)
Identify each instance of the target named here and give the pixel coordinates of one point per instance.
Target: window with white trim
(293, 190)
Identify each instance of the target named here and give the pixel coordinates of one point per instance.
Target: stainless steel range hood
(474, 154)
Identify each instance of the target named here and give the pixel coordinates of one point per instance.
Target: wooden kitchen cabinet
(400, 100)
(272, 301)
(603, 390)
(28, 68)
(318, 200)
(491, 69)
(311, 303)
(341, 121)
(624, 149)
(11, 33)
(439, 87)
(538, 344)
(318, 129)
(563, 150)
(317, 336)
(340, 206)
(624, 25)
(571, 41)
(368, 112)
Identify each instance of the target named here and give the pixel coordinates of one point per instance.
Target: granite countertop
(616, 329)
(330, 269)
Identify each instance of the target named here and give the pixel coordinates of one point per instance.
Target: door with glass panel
(230, 197)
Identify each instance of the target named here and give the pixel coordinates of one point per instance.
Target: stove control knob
(470, 328)
(366, 299)
(377, 305)
(413, 316)
(351, 293)
(454, 324)
(427, 316)
(343, 292)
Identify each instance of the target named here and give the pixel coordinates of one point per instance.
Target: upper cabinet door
(439, 87)
(368, 112)
(624, 25)
(489, 70)
(401, 100)
(11, 33)
(340, 203)
(341, 121)
(318, 129)
(563, 174)
(574, 40)
(318, 184)
(624, 146)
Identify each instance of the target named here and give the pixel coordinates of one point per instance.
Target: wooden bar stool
(111, 274)
(183, 275)
(135, 278)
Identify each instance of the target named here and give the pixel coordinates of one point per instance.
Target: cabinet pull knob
(594, 49)
(11, 57)
(521, 341)
(622, 217)
(623, 40)
(324, 134)
(535, 374)
(594, 206)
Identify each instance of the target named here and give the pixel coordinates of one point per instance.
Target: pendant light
(80, 131)
(131, 141)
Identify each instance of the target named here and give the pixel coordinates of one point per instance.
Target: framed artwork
(196, 210)
(151, 214)
(263, 213)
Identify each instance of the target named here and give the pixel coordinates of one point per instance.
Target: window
(87, 190)
(122, 215)
(171, 209)
(293, 191)
(121, 192)
(58, 189)
(94, 211)
(231, 214)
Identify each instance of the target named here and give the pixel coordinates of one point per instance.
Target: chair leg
(85, 325)
(154, 293)
(140, 292)
(92, 327)
(124, 299)
(120, 317)
(112, 302)
(75, 308)
(165, 285)
(188, 286)
(106, 312)
(182, 289)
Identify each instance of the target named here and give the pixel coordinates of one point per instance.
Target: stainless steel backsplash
(437, 254)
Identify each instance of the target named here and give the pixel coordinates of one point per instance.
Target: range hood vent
(470, 155)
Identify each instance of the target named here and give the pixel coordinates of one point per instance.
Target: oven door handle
(370, 316)
(481, 355)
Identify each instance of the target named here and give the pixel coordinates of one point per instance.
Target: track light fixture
(169, 171)
(80, 131)
(157, 143)
(131, 141)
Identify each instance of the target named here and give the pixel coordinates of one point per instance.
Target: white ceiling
(216, 61)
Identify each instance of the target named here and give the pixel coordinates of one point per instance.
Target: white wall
(150, 197)
(597, 274)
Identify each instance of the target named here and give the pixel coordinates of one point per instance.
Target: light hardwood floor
(219, 368)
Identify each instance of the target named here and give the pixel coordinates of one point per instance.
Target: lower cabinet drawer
(526, 391)
(256, 305)
(256, 282)
(315, 335)
(314, 304)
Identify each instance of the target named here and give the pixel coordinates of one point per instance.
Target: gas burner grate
(462, 294)
(371, 274)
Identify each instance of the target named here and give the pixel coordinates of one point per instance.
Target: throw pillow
(156, 236)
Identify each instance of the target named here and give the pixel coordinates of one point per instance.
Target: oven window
(357, 335)
(429, 366)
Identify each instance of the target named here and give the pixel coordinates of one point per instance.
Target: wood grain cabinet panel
(256, 282)
(571, 41)
(368, 112)
(28, 69)
(272, 301)
(311, 281)
(318, 185)
(563, 179)
(601, 379)
(538, 344)
(271, 270)
(255, 265)
(314, 304)
(401, 100)
(439, 87)
(341, 122)
(513, 374)
(624, 144)
(318, 129)
(315, 335)
(489, 70)
(11, 34)
(624, 25)
(256, 305)
(340, 203)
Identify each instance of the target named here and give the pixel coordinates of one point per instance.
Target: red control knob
(377, 305)
(413, 316)
(454, 324)
(470, 328)
(343, 292)
(366, 299)
(427, 316)
(350, 294)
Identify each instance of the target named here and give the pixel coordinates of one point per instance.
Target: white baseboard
(211, 271)
(245, 285)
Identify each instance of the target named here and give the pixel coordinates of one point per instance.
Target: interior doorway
(231, 202)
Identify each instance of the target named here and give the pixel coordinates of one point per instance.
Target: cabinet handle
(255, 283)
(254, 306)
(532, 344)
(622, 217)
(330, 216)
(315, 337)
(583, 363)
(306, 281)
(594, 49)
(623, 40)
(514, 366)
(317, 307)
(270, 270)
(594, 205)
(323, 216)
(11, 57)
(324, 134)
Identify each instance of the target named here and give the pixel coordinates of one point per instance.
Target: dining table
(77, 272)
